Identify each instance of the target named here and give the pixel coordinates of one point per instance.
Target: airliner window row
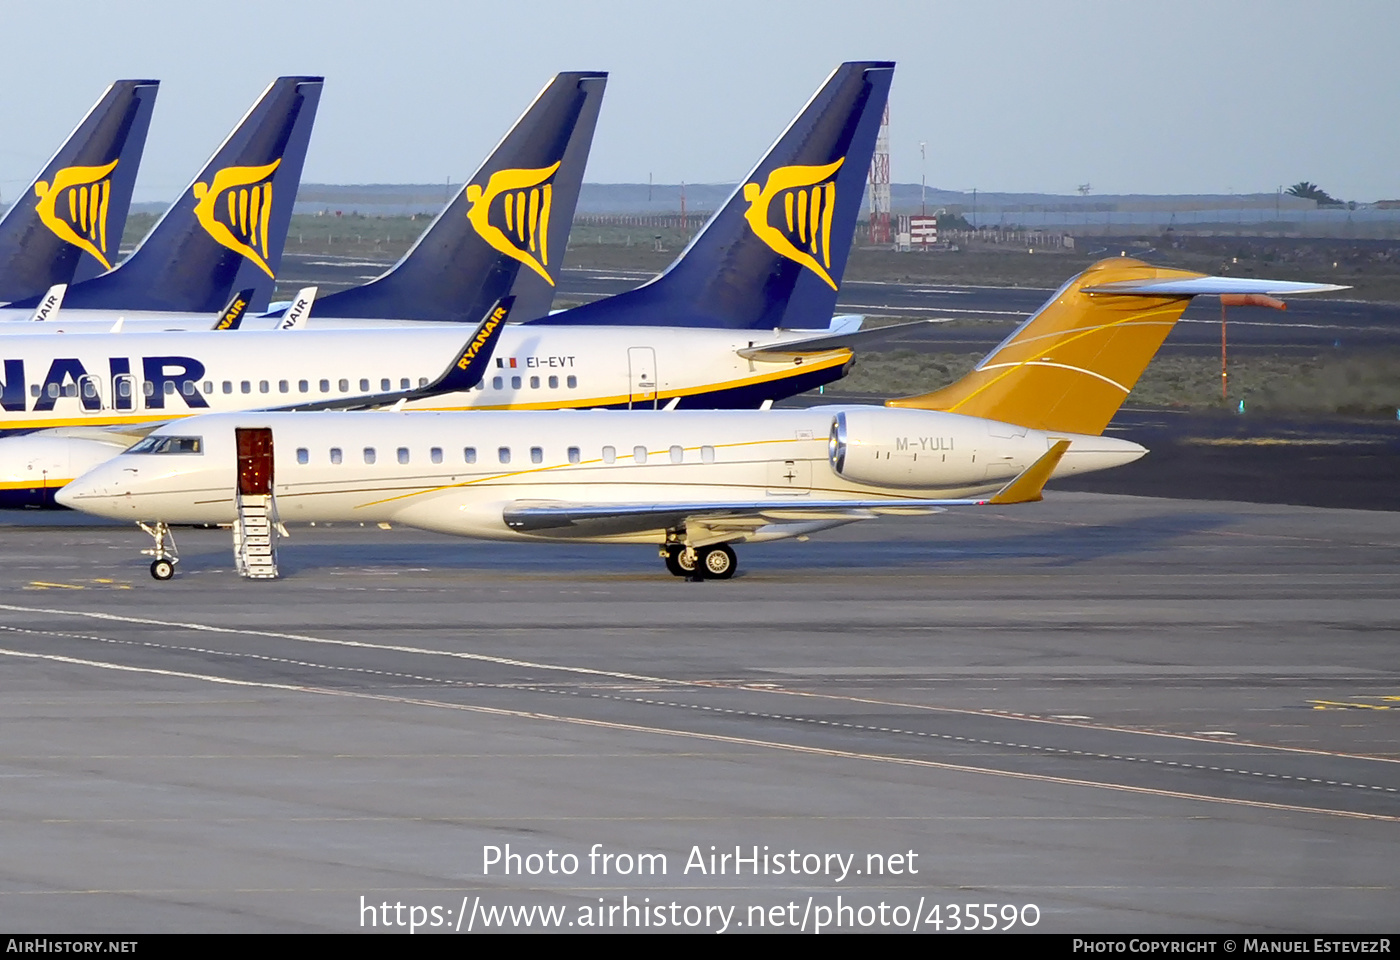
(675, 454)
(126, 386)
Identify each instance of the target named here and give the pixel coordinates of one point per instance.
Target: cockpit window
(169, 445)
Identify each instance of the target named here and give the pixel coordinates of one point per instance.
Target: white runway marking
(695, 735)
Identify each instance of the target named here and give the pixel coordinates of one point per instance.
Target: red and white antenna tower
(880, 184)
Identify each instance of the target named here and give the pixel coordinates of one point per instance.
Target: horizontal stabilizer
(1208, 286)
(783, 350)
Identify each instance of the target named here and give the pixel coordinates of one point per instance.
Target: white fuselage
(463, 473)
(67, 385)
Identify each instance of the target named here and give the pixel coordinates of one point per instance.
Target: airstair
(255, 537)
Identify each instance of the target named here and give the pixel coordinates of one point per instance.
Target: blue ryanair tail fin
(504, 234)
(227, 230)
(68, 223)
(774, 254)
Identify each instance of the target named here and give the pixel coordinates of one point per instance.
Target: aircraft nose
(91, 492)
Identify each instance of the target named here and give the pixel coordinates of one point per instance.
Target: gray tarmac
(1138, 715)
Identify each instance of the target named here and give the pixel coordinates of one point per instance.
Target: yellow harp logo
(239, 221)
(808, 204)
(521, 227)
(83, 193)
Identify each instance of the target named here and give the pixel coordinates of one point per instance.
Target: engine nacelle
(34, 466)
(893, 447)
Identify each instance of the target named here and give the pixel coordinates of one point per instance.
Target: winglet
(470, 365)
(1026, 486)
(49, 306)
(464, 372)
(300, 311)
(232, 314)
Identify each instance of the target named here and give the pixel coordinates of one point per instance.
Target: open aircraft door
(254, 461)
(255, 530)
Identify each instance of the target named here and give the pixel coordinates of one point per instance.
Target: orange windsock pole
(1240, 300)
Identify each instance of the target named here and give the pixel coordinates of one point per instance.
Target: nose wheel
(707, 563)
(164, 550)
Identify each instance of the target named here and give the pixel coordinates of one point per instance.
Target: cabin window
(246, 386)
(364, 385)
(537, 454)
(534, 383)
(263, 386)
(335, 454)
(33, 389)
(169, 388)
(208, 386)
(707, 454)
(284, 386)
(403, 454)
(344, 386)
(228, 387)
(325, 386)
(572, 382)
(422, 381)
(677, 454)
(124, 388)
(303, 455)
(148, 388)
(89, 389)
(384, 385)
(515, 383)
(469, 454)
(573, 455)
(554, 383)
(369, 454)
(435, 454)
(504, 454)
(498, 383)
(188, 388)
(610, 455)
(639, 454)
(403, 384)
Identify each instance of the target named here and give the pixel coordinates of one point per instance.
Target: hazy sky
(1017, 95)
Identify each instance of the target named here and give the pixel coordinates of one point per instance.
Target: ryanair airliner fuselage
(72, 396)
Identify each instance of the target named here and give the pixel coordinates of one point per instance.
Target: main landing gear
(706, 563)
(165, 553)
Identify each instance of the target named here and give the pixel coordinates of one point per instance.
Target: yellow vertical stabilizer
(1070, 365)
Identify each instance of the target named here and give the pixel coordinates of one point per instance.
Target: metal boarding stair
(255, 537)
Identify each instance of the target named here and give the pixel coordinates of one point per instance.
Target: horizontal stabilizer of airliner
(462, 374)
(67, 225)
(787, 350)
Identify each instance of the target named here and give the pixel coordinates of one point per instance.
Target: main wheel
(718, 563)
(676, 562)
(162, 568)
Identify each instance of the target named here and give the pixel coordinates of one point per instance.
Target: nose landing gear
(164, 550)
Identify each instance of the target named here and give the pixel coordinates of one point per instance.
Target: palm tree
(1311, 191)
